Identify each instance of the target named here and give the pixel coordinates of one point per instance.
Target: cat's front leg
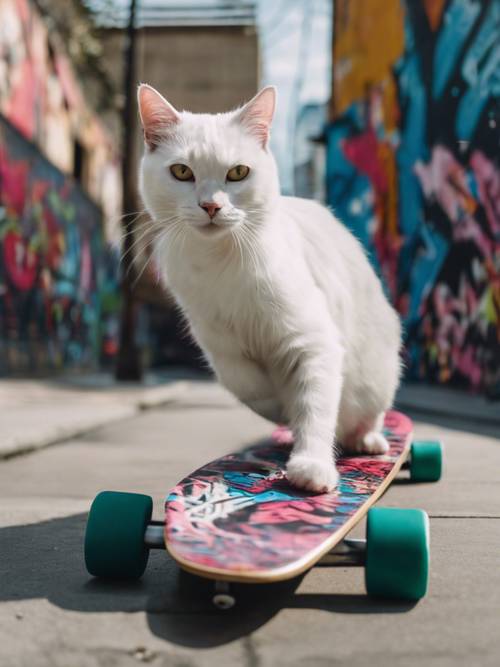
(312, 394)
(245, 379)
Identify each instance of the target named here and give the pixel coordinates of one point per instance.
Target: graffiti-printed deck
(238, 518)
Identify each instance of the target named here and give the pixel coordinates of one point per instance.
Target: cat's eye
(238, 173)
(182, 172)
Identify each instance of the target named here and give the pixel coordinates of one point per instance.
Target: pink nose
(210, 207)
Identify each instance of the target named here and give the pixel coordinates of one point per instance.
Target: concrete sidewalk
(52, 614)
(39, 413)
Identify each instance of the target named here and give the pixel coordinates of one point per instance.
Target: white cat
(278, 294)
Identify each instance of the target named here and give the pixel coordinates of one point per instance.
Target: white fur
(279, 295)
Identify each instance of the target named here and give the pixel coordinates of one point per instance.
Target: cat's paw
(312, 474)
(374, 443)
(282, 436)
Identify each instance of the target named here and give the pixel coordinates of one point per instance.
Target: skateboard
(237, 519)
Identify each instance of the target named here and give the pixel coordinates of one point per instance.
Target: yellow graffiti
(369, 38)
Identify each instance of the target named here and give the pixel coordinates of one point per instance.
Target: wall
(413, 170)
(58, 294)
(42, 98)
(58, 280)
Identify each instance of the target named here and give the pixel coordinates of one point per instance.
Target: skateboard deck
(238, 519)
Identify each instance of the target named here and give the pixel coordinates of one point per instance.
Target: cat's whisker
(151, 227)
(141, 273)
(137, 215)
(162, 232)
(248, 238)
(237, 242)
(131, 223)
(154, 230)
(138, 240)
(120, 218)
(133, 231)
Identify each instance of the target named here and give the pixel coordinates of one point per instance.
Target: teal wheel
(114, 539)
(397, 553)
(426, 461)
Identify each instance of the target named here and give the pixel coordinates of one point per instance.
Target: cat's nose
(210, 207)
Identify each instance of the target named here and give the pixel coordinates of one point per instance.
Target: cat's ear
(157, 115)
(257, 115)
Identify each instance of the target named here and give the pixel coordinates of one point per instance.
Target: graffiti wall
(41, 96)
(58, 291)
(413, 169)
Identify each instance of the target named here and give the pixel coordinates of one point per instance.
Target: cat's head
(208, 174)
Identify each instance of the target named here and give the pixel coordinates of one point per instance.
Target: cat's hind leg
(367, 438)
(282, 435)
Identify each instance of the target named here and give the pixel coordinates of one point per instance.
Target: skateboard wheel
(114, 538)
(397, 553)
(426, 459)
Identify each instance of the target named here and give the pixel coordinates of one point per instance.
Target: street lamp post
(128, 365)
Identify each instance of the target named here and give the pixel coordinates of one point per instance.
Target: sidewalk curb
(124, 407)
(446, 402)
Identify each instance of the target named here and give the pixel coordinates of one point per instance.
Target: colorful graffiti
(58, 290)
(41, 96)
(413, 169)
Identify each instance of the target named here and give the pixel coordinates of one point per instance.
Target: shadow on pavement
(255, 606)
(45, 560)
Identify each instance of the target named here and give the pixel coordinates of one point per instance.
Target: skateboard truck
(153, 539)
(348, 552)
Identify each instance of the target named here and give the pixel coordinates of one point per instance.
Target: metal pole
(128, 365)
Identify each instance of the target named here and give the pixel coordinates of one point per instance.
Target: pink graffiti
(286, 511)
(86, 267)
(13, 179)
(363, 151)
(20, 261)
(455, 315)
(488, 183)
(445, 180)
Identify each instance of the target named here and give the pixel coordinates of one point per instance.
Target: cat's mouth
(211, 228)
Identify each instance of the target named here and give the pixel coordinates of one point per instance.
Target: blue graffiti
(481, 71)
(458, 23)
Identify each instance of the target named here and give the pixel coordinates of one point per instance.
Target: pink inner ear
(257, 125)
(257, 114)
(157, 115)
